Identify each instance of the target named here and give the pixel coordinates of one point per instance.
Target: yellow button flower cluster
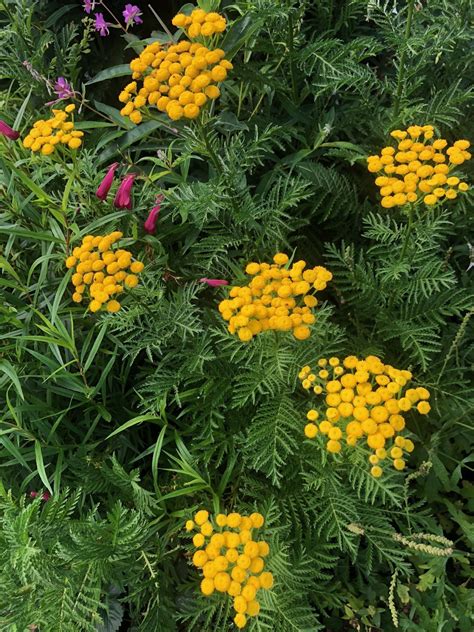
(177, 80)
(231, 560)
(364, 400)
(270, 300)
(416, 169)
(106, 271)
(45, 135)
(200, 23)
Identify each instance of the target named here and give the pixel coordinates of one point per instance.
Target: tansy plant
(178, 79)
(231, 560)
(278, 297)
(102, 270)
(46, 134)
(363, 400)
(419, 168)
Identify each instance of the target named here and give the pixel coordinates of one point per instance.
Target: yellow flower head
(417, 169)
(366, 403)
(231, 559)
(46, 135)
(278, 297)
(200, 25)
(101, 271)
(179, 79)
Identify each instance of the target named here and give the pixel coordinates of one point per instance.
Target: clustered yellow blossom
(106, 271)
(419, 170)
(364, 400)
(45, 135)
(270, 300)
(231, 560)
(200, 23)
(177, 80)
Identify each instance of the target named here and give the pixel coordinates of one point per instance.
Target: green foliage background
(134, 420)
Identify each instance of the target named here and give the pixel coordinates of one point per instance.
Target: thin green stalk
(212, 154)
(401, 70)
(407, 232)
(291, 52)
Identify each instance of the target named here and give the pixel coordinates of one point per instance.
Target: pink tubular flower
(123, 198)
(131, 15)
(214, 282)
(6, 130)
(101, 25)
(150, 222)
(104, 186)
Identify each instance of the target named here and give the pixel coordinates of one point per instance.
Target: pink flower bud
(123, 197)
(104, 186)
(7, 131)
(44, 496)
(214, 282)
(150, 222)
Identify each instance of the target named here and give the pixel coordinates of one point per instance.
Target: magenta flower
(123, 198)
(150, 222)
(214, 282)
(101, 25)
(63, 88)
(6, 130)
(104, 186)
(89, 5)
(131, 15)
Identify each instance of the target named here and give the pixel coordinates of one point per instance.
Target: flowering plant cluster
(106, 271)
(364, 400)
(200, 23)
(231, 560)
(46, 134)
(270, 300)
(178, 79)
(422, 168)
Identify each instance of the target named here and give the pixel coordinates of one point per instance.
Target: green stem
(407, 232)
(291, 51)
(401, 70)
(212, 154)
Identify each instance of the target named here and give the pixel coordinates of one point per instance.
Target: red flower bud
(7, 131)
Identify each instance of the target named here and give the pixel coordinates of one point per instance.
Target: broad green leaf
(133, 422)
(121, 70)
(4, 265)
(131, 137)
(40, 466)
(32, 186)
(9, 371)
(114, 115)
(28, 234)
(239, 33)
(95, 347)
(21, 110)
(156, 456)
(11, 447)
